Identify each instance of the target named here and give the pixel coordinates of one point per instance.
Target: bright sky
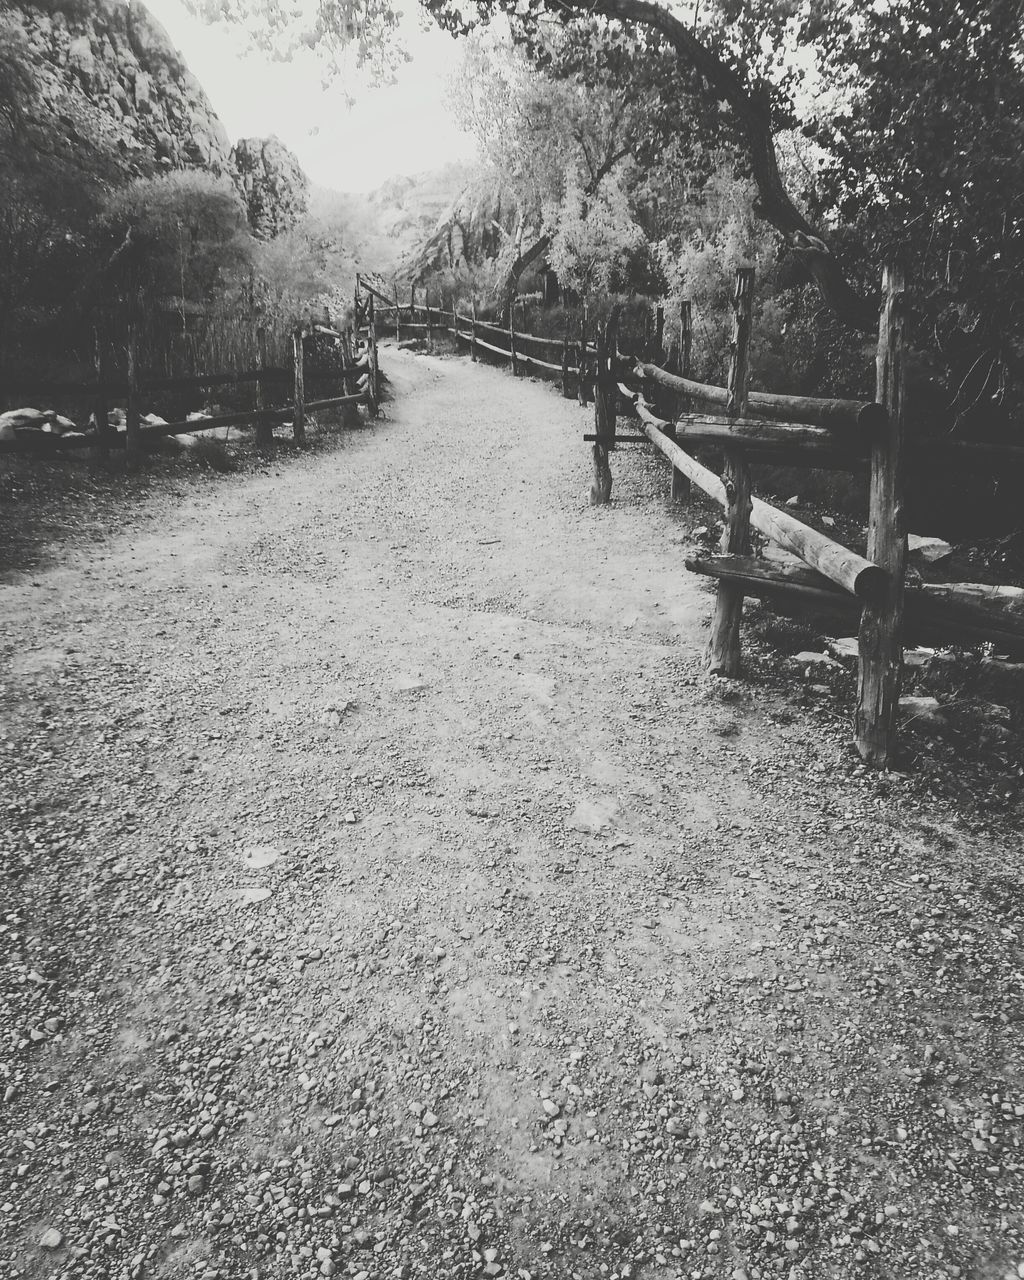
(399, 129)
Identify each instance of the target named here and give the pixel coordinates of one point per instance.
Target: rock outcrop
(108, 68)
(272, 185)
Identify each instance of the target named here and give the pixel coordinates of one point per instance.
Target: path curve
(388, 894)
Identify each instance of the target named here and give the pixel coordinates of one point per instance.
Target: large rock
(273, 187)
(929, 550)
(110, 69)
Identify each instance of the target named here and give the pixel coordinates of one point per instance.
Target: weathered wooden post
(373, 382)
(455, 320)
(412, 304)
(99, 362)
(426, 307)
(348, 360)
(605, 404)
(472, 336)
(659, 332)
(299, 392)
(132, 442)
(681, 483)
(582, 389)
(724, 644)
(264, 428)
(565, 359)
(512, 336)
(881, 625)
(398, 316)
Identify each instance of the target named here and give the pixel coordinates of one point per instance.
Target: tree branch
(752, 112)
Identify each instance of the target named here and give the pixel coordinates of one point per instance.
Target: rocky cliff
(273, 187)
(107, 70)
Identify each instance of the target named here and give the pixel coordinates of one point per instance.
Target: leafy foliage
(926, 153)
(590, 238)
(180, 235)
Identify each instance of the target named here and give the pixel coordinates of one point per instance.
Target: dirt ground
(386, 893)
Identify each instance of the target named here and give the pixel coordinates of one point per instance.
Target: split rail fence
(572, 357)
(745, 427)
(357, 376)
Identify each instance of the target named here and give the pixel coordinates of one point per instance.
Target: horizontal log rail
(935, 611)
(499, 351)
(850, 571)
(193, 382)
(334, 402)
(862, 415)
(192, 426)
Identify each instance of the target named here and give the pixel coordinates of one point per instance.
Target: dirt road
(387, 894)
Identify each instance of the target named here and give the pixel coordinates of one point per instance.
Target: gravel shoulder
(386, 893)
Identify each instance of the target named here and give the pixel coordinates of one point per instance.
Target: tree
(591, 236)
(923, 135)
(544, 133)
(926, 151)
(180, 236)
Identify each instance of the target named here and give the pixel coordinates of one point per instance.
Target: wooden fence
(356, 381)
(571, 356)
(746, 426)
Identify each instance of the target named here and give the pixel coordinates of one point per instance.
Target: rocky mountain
(410, 211)
(108, 67)
(272, 185)
(106, 70)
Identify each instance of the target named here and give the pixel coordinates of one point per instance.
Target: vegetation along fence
(354, 373)
(745, 427)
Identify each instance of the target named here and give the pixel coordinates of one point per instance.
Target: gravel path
(387, 894)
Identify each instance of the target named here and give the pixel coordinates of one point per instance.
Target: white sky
(399, 129)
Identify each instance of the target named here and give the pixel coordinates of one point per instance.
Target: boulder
(921, 712)
(929, 550)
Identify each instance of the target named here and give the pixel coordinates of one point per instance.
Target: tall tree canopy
(917, 105)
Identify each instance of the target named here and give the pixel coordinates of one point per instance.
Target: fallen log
(849, 570)
(862, 415)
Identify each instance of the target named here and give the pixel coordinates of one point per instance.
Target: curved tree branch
(751, 109)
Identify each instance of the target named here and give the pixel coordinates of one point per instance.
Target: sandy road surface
(387, 894)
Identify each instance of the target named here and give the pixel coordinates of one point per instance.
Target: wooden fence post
(99, 362)
(373, 382)
(398, 317)
(659, 332)
(299, 395)
(605, 404)
(724, 645)
(426, 304)
(132, 442)
(455, 320)
(472, 339)
(565, 358)
(512, 336)
(680, 483)
(881, 625)
(582, 361)
(264, 429)
(412, 304)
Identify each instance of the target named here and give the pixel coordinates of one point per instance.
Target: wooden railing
(576, 353)
(357, 377)
(745, 427)
(820, 433)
